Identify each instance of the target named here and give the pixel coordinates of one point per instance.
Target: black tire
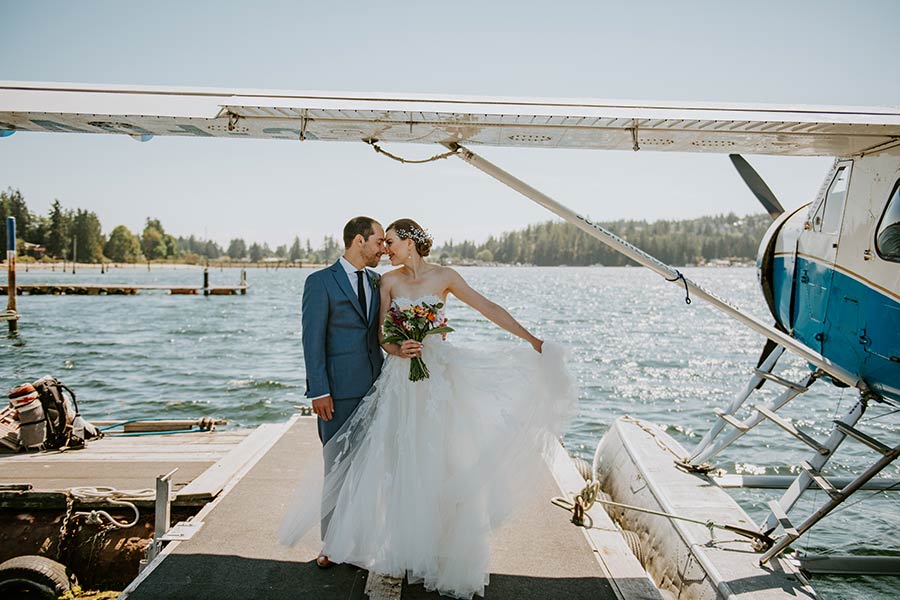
(35, 577)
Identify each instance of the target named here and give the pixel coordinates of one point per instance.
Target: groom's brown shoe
(322, 562)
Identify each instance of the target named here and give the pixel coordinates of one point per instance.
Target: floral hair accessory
(414, 234)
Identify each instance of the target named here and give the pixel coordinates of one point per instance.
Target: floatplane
(829, 271)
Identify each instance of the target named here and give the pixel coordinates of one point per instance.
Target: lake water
(637, 349)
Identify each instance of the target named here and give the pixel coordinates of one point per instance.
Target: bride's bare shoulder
(390, 277)
(448, 274)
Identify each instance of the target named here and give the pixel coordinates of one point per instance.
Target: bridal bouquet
(414, 323)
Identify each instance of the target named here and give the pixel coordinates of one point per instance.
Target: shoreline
(22, 266)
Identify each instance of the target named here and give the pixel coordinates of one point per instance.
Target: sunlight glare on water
(637, 349)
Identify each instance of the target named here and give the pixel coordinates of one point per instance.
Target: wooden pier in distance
(120, 289)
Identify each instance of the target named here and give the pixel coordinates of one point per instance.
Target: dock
(58, 289)
(40, 492)
(538, 554)
(230, 493)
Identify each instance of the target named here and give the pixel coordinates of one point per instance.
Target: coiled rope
(113, 496)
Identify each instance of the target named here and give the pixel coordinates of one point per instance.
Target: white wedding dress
(423, 471)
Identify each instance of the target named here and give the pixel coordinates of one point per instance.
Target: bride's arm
(408, 348)
(491, 310)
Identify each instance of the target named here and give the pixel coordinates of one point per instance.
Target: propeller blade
(757, 186)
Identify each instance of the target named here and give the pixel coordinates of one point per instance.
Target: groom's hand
(323, 407)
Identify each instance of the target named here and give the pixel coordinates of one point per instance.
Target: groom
(340, 331)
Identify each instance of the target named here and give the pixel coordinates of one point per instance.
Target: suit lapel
(340, 276)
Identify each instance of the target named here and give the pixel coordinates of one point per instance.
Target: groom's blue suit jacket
(340, 344)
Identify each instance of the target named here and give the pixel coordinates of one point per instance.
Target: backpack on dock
(49, 402)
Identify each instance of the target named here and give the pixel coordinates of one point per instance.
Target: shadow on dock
(201, 577)
(218, 577)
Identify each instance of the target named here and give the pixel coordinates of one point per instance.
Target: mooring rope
(582, 503)
(379, 149)
(590, 494)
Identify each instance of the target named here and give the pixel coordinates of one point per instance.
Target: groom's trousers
(342, 411)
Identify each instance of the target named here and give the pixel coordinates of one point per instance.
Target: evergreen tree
(295, 253)
(256, 252)
(330, 249)
(13, 205)
(88, 235)
(212, 250)
(59, 233)
(237, 249)
(172, 249)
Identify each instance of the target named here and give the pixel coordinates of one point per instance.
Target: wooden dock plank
(208, 449)
(122, 462)
(187, 447)
(211, 482)
(120, 475)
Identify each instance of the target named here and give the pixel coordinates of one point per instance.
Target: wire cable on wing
(380, 150)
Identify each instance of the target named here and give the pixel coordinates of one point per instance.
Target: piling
(12, 315)
(206, 281)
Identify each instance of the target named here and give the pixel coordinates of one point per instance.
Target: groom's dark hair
(358, 226)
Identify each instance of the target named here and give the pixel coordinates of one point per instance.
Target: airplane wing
(143, 112)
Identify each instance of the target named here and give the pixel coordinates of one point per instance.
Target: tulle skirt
(420, 475)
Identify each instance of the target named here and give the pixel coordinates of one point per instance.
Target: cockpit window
(828, 216)
(887, 236)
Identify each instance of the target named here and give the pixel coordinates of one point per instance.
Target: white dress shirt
(351, 275)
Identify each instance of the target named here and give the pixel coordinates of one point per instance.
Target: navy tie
(361, 292)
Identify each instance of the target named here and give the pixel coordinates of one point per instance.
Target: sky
(797, 52)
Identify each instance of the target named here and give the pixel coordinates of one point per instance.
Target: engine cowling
(775, 264)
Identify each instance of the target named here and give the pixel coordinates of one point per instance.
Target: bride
(423, 471)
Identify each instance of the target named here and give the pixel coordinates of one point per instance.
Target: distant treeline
(64, 233)
(693, 241)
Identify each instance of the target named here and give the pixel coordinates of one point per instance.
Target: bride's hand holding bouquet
(414, 323)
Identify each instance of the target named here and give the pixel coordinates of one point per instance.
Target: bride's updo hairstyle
(407, 229)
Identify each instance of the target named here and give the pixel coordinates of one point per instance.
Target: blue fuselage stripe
(849, 322)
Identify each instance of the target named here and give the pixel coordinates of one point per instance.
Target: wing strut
(669, 273)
